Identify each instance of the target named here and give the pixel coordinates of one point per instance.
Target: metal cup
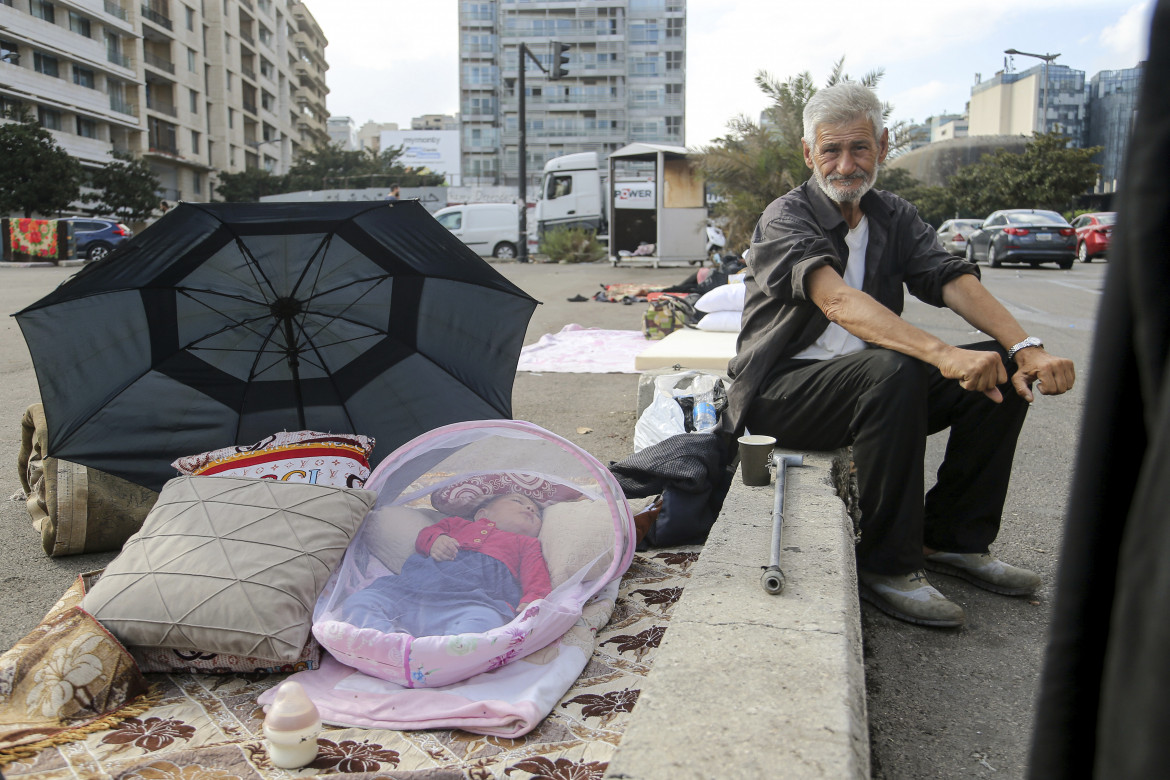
(755, 452)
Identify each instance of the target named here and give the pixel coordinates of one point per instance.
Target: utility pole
(522, 254)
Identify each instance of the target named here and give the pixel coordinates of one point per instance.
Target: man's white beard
(842, 195)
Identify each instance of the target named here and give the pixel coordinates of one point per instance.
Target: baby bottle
(291, 727)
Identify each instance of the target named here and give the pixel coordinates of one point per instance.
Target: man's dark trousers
(885, 404)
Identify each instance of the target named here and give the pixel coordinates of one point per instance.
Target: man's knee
(895, 373)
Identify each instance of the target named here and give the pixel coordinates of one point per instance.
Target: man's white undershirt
(836, 341)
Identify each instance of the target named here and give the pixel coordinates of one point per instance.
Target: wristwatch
(1031, 341)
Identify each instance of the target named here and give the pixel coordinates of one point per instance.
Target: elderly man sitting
(824, 360)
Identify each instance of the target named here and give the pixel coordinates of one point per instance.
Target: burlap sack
(76, 509)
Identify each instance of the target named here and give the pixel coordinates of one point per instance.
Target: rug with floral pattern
(204, 727)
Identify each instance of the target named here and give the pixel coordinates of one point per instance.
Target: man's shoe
(986, 571)
(910, 597)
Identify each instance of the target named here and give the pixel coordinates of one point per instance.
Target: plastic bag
(678, 400)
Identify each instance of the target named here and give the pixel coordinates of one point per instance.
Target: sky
(391, 60)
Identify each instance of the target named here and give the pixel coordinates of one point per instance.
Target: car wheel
(1083, 253)
(504, 250)
(992, 260)
(1065, 264)
(98, 252)
(970, 253)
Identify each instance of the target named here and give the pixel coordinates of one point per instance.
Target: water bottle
(704, 413)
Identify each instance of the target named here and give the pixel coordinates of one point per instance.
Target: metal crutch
(773, 579)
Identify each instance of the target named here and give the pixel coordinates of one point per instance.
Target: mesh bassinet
(406, 607)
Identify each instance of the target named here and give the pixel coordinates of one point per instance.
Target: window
(231, 118)
(79, 24)
(265, 36)
(84, 77)
(86, 128)
(674, 60)
(267, 69)
(43, 10)
(674, 125)
(44, 63)
(195, 141)
(674, 28)
(196, 183)
(452, 220)
(193, 99)
(229, 81)
(191, 60)
(267, 100)
(191, 19)
(49, 118)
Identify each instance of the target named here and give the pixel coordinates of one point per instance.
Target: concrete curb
(749, 685)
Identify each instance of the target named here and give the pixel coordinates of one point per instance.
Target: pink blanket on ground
(579, 350)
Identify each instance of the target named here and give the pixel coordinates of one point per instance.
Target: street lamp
(1048, 58)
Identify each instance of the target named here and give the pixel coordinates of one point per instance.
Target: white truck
(571, 194)
(655, 210)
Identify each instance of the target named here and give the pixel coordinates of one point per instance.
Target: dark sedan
(1023, 236)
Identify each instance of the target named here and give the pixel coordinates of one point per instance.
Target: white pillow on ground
(575, 534)
(725, 297)
(721, 321)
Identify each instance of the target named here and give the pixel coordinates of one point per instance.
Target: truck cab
(571, 195)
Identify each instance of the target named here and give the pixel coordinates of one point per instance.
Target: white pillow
(721, 320)
(573, 535)
(725, 297)
(390, 532)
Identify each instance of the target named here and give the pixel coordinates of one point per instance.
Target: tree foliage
(326, 168)
(36, 175)
(935, 204)
(757, 162)
(126, 188)
(1046, 175)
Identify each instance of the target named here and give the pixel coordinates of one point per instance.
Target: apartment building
(626, 81)
(193, 86)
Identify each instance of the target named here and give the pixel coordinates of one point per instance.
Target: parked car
(953, 234)
(96, 238)
(488, 228)
(1093, 234)
(1023, 236)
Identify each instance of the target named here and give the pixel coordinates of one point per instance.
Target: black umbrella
(223, 323)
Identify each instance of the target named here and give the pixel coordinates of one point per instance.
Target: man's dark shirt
(799, 233)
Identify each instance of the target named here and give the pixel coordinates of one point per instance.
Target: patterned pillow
(465, 496)
(339, 459)
(159, 660)
(228, 565)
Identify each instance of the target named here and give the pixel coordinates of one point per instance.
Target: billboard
(634, 195)
(435, 150)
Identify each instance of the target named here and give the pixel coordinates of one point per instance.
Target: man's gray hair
(842, 103)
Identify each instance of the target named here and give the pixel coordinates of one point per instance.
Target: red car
(1093, 233)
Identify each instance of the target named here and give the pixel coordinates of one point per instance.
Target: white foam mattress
(689, 348)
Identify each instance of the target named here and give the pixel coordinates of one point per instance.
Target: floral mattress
(208, 727)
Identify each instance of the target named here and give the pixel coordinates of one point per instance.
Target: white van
(488, 228)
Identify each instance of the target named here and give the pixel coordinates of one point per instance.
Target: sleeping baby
(466, 576)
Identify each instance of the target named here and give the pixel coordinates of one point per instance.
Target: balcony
(250, 106)
(118, 58)
(247, 38)
(244, 69)
(113, 9)
(163, 147)
(123, 106)
(156, 104)
(156, 17)
(161, 63)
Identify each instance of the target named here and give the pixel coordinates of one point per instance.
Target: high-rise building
(195, 87)
(343, 132)
(1013, 103)
(1113, 98)
(626, 76)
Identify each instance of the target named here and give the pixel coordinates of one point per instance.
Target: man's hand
(444, 549)
(976, 370)
(1052, 375)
